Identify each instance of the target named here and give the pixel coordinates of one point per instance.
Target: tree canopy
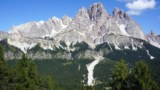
(137, 78)
(23, 76)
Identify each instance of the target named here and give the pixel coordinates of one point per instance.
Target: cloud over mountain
(136, 7)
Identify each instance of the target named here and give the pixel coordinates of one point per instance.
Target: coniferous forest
(24, 75)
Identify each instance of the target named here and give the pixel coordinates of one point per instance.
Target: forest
(24, 75)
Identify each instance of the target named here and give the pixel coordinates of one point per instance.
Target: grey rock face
(41, 28)
(46, 55)
(81, 21)
(154, 39)
(66, 20)
(132, 28)
(119, 14)
(154, 36)
(94, 26)
(32, 29)
(97, 11)
(3, 35)
(9, 55)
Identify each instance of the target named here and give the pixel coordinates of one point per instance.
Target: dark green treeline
(23, 76)
(137, 78)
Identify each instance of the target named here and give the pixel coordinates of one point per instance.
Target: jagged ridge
(93, 26)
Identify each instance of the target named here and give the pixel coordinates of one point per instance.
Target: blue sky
(15, 12)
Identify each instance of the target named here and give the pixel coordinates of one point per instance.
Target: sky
(15, 12)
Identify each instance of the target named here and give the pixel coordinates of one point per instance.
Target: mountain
(92, 34)
(154, 39)
(93, 26)
(3, 35)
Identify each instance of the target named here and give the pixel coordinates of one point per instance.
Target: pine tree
(119, 75)
(26, 74)
(2, 53)
(22, 77)
(3, 71)
(142, 78)
(50, 83)
(88, 88)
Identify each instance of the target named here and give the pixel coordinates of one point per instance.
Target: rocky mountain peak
(66, 20)
(82, 13)
(81, 21)
(118, 13)
(3, 35)
(83, 9)
(152, 33)
(94, 27)
(154, 39)
(97, 11)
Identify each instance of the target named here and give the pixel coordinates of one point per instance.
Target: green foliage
(1, 53)
(26, 75)
(3, 71)
(68, 77)
(66, 72)
(140, 77)
(8, 47)
(57, 52)
(36, 49)
(120, 71)
(23, 76)
(49, 83)
(119, 75)
(88, 88)
(81, 47)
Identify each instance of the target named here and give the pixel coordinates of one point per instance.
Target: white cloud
(141, 5)
(134, 12)
(136, 7)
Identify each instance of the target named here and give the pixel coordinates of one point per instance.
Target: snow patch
(92, 45)
(110, 47)
(55, 18)
(46, 47)
(112, 33)
(79, 67)
(122, 28)
(90, 68)
(134, 48)
(23, 46)
(155, 44)
(91, 27)
(53, 33)
(142, 43)
(116, 47)
(126, 47)
(59, 21)
(151, 57)
(68, 43)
